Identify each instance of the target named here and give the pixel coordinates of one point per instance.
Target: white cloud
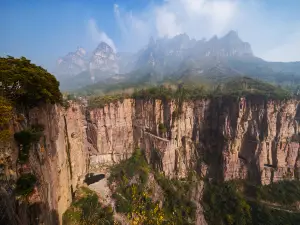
(167, 24)
(287, 51)
(135, 29)
(270, 36)
(99, 36)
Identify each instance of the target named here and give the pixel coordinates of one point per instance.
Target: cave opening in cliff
(91, 178)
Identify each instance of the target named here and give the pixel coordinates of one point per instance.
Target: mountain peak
(232, 34)
(104, 47)
(80, 51)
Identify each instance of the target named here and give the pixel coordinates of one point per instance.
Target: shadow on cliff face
(90, 178)
(14, 213)
(36, 214)
(211, 140)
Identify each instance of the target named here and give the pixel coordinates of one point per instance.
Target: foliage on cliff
(101, 101)
(238, 87)
(224, 204)
(134, 195)
(26, 138)
(238, 202)
(86, 210)
(26, 84)
(25, 184)
(5, 117)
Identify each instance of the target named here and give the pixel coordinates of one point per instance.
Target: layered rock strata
(223, 139)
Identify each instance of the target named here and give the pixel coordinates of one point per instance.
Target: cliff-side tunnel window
(91, 178)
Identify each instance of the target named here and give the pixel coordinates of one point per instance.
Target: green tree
(26, 84)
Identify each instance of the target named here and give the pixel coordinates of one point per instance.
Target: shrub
(26, 84)
(25, 184)
(5, 117)
(177, 205)
(87, 210)
(283, 192)
(223, 204)
(101, 101)
(162, 128)
(26, 138)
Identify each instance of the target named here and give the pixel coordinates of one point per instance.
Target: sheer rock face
(225, 139)
(222, 139)
(60, 159)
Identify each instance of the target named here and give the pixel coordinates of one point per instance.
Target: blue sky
(44, 30)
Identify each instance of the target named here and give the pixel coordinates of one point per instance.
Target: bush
(5, 117)
(26, 84)
(177, 205)
(87, 210)
(101, 101)
(283, 192)
(25, 184)
(162, 128)
(223, 204)
(26, 138)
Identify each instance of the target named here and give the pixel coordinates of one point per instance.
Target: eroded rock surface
(222, 138)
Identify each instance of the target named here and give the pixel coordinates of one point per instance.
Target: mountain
(103, 61)
(77, 69)
(178, 58)
(72, 64)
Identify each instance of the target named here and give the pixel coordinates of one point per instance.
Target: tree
(26, 84)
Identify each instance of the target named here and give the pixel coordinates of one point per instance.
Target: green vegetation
(5, 117)
(282, 192)
(101, 101)
(238, 202)
(223, 204)
(249, 87)
(177, 205)
(86, 210)
(26, 138)
(134, 198)
(264, 215)
(237, 87)
(26, 84)
(162, 128)
(134, 194)
(25, 184)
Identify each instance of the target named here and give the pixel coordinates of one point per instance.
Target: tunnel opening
(270, 165)
(91, 178)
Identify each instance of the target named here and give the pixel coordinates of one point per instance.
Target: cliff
(223, 139)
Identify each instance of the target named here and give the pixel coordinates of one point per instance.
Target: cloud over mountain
(205, 18)
(99, 36)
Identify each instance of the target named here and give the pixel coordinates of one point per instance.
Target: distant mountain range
(177, 58)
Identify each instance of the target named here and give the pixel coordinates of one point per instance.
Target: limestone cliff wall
(224, 139)
(59, 161)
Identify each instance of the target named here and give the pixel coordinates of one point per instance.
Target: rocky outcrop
(224, 138)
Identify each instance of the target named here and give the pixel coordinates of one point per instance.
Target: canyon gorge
(220, 138)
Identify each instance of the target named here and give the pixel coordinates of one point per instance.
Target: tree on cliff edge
(27, 84)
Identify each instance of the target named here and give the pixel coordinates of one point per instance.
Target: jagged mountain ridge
(174, 57)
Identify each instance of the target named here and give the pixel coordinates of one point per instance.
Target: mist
(271, 35)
